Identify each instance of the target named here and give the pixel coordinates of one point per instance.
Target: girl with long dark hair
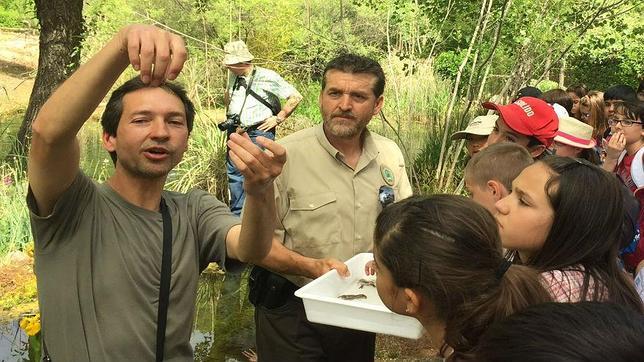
(564, 217)
(439, 259)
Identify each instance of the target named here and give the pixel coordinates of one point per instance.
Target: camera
(231, 123)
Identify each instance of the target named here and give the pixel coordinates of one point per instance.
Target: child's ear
(497, 189)
(537, 150)
(412, 301)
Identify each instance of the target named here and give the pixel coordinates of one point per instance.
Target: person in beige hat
(236, 52)
(476, 133)
(575, 139)
(252, 102)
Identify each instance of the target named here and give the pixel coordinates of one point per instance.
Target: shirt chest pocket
(313, 222)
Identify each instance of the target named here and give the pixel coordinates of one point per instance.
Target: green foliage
(447, 63)
(204, 164)
(15, 231)
(9, 125)
(17, 13)
(34, 348)
(546, 85)
(611, 53)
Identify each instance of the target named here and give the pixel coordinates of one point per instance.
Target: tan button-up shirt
(325, 208)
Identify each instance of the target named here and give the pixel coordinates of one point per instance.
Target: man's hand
(259, 167)
(269, 123)
(615, 146)
(158, 54)
(321, 266)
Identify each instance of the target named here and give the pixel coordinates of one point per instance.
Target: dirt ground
(17, 286)
(18, 64)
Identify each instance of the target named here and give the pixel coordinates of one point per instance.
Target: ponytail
(455, 244)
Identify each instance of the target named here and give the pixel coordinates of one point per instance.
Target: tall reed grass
(15, 231)
(416, 100)
(204, 163)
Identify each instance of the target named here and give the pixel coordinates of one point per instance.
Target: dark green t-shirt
(98, 266)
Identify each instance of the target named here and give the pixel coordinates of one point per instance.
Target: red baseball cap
(529, 116)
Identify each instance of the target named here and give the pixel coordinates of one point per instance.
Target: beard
(347, 126)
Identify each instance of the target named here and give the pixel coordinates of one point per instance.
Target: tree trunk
(442, 160)
(61, 31)
(562, 73)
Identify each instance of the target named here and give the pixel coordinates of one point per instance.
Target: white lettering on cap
(526, 107)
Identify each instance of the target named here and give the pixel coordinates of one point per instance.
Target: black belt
(256, 126)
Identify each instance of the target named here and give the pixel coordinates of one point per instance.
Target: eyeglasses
(386, 196)
(624, 122)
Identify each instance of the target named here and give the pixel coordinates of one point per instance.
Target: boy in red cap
(529, 122)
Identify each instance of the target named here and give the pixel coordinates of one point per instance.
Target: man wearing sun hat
(572, 138)
(476, 133)
(252, 102)
(528, 121)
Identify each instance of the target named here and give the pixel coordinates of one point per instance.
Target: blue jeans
(235, 178)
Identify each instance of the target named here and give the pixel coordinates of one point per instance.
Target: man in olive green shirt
(327, 201)
(98, 247)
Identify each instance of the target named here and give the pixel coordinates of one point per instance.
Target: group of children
(551, 218)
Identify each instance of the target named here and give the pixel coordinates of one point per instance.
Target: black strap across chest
(250, 91)
(166, 274)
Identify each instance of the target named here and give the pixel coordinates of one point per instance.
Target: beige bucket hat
(481, 126)
(236, 52)
(575, 133)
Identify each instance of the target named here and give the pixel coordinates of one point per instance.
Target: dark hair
(560, 97)
(528, 92)
(634, 110)
(353, 63)
(448, 248)
(587, 229)
(565, 332)
(114, 108)
(580, 90)
(590, 155)
(620, 92)
(486, 165)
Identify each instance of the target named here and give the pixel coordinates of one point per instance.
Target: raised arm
(54, 155)
(251, 241)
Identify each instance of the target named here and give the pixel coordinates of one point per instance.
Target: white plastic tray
(322, 304)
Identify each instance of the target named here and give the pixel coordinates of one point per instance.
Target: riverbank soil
(17, 286)
(18, 64)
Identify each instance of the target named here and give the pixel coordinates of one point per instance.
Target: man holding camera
(253, 105)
